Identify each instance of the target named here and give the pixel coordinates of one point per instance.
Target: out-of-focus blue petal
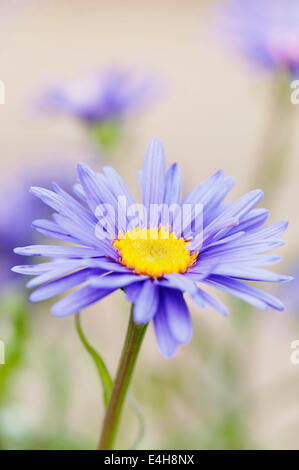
(108, 95)
(265, 32)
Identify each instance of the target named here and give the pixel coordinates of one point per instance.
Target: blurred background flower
(290, 293)
(18, 207)
(266, 32)
(102, 100)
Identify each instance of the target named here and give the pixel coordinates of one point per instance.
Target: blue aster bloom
(153, 261)
(107, 95)
(265, 31)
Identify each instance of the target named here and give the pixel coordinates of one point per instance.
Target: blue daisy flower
(153, 258)
(265, 31)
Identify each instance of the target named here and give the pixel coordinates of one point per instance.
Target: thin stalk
(275, 147)
(133, 341)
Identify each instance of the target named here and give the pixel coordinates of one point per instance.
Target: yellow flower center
(154, 252)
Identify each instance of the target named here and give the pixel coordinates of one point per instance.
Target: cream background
(211, 117)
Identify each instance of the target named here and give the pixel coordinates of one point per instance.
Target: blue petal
(70, 264)
(79, 191)
(201, 297)
(34, 269)
(50, 229)
(221, 239)
(178, 316)
(270, 231)
(173, 185)
(67, 207)
(206, 239)
(117, 185)
(122, 194)
(201, 270)
(166, 342)
(253, 220)
(236, 249)
(249, 273)
(64, 204)
(215, 227)
(214, 203)
(60, 285)
(83, 234)
(58, 270)
(74, 204)
(198, 299)
(204, 190)
(90, 184)
(55, 251)
(98, 193)
(115, 280)
(146, 303)
(107, 265)
(242, 206)
(179, 281)
(78, 300)
(246, 292)
(133, 290)
(153, 174)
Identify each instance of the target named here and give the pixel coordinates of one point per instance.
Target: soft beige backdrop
(212, 116)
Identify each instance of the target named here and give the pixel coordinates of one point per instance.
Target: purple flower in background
(265, 31)
(18, 208)
(155, 262)
(108, 95)
(290, 293)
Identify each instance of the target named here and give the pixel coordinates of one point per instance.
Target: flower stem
(276, 145)
(133, 341)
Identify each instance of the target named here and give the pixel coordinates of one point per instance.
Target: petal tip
(55, 311)
(169, 354)
(32, 297)
(287, 278)
(82, 168)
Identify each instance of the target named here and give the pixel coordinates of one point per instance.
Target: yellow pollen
(154, 252)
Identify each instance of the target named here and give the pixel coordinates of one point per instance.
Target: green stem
(99, 362)
(133, 341)
(275, 148)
